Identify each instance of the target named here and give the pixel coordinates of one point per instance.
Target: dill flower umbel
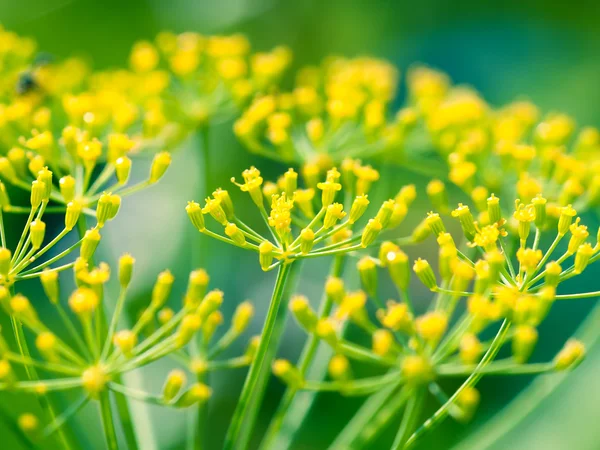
(207, 78)
(337, 110)
(494, 149)
(94, 357)
(78, 135)
(510, 288)
(302, 222)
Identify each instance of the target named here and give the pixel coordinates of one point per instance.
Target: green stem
(441, 413)
(244, 412)
(121, 401)
(33, 376)
(287, 404)
(108, 424)
(266, 372)
(529, 399)
(409, 420)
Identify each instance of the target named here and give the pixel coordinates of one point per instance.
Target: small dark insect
(26, 82)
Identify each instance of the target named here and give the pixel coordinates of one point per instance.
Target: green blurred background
(544, 51)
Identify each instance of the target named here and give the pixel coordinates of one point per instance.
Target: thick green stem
(108, 422)
(307, 356)
(246, 410)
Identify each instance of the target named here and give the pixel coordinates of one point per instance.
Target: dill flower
(299, 225)
(337, 110)
(494, 148)
(95, 357)
(205, 79)
(417, 351)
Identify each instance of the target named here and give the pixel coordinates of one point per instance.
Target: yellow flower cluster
(509, 283)
(490, 149)
(209, 77)
(97, 354)
(324, 226)
(336, 110)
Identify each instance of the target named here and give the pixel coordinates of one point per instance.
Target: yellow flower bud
(160, 164)
(211, 302)
(304, 314)
(46, 344)
(175, 381)
(539, 203)
(5, 257)
(570, 356)
(289, 374)
(326, 330)
(38, 190)
(242, 316)
(371, 232)
(190, 324)
(28, 423)
(37, 231)
(421, 232)
(197, 393)
(566, 217)
(67, 188)
(359, 206)
(367, 270)
(236, 235)
(290, 182)
(470, 349)
(225, 201)
(123, 169)
(72, 214)
(162, 289)
(334, 289)
(210, 325)
(214, 208)
(582, 257)
(493, 208)
(523, 342)
(265, 254)
(307, 240)
(49, 280)
(425, 273)
(195, 214)
(432, 326)
(45, 176)
(125, 340)
(339, 368)
(416, 369)
(398, 215)
(435, 223)
(398, 267)
(94, 380)
(436, 191)
(382, 342)
(333, 213)
(466, 220)
(385, 212)
(83, 302)
(89, 243)
(126, 263)
(197, 285)
(329, 190)
(468, 401)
